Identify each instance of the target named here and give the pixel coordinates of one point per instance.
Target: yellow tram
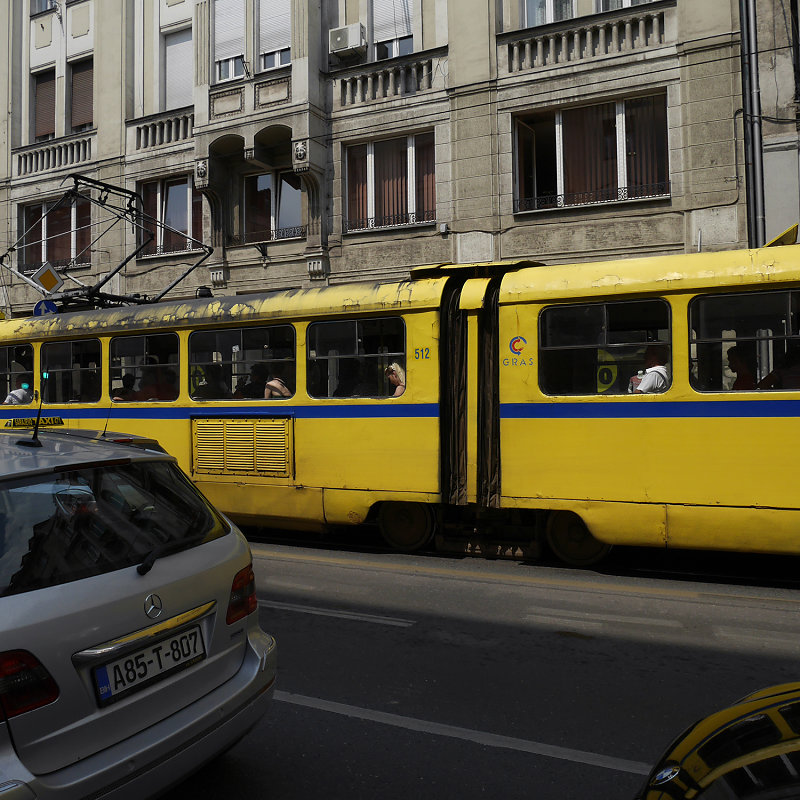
(649, 401)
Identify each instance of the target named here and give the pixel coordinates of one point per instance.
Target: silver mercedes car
(130, 650)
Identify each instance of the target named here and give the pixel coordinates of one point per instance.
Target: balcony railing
(388, 80)
(594, 197)
(634, 29)
(171, 127)
(261, 237)
(392, 221)
(79, 262)
(53, 154)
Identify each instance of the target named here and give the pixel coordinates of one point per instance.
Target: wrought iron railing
(391, 221)
(594, 197)
(80, 262)
(277, 235)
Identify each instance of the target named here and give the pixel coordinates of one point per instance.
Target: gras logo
(517, 345)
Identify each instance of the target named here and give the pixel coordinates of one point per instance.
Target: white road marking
(328, 612)
(558, 615)
(466, 734)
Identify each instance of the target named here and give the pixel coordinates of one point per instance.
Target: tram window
(73, 370)
(349, 358)
(144, 367)
(16, 366)
(242, 363)
(601, 348)
(747, 341)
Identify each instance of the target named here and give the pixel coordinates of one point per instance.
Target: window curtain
(391, 19)
(82, 94)
(357, 210)
(562, 9)
(228, 29)
(425, 177)
(45, 101)
(590, 154)
(149, 193)
(646, 145)
(179, 77)
(83, 233)
(275, 26)
(391, 182)
(31, 253)
(58, 224)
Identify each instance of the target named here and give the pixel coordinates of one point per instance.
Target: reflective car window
(71, 525)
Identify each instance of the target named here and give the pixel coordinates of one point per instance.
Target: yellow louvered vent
(242, 446)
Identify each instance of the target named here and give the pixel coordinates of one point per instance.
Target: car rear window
(83, 522)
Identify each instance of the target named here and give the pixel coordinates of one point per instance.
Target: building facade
(329, 141)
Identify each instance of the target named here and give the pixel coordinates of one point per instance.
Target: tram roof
(281, 305)
(657, 274)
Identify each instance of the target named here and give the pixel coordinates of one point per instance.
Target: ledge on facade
(559, 202)
(390, 78)
(581, 38)
(160, 252)
(157, 130)
(53, 154)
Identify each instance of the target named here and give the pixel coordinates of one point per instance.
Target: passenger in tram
(168, 384)
(276, 387)
(22, 394)
(740, 363)
(125, 392)
(787, 375)
(396, 376)
(347, 384)
(656, 370)
(256, 383)
(214, 386)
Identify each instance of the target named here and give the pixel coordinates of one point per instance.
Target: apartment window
(391, 182)
(350, 358)
(272, 208)
(602, 348)
(82, 95)
(44, 105)
(542, 12)
(173, 213)
(392, 28)
(594, 154)
(73, 370)
(40, 6)
(229, 28)
(613, 5)
(58, 232)
(178, 70)
(274, 33)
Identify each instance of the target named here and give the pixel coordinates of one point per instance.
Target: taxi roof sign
(29, 422)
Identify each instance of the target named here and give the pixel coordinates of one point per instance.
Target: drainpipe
(751, 96)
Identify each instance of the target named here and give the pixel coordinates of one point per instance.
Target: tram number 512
(422, 353)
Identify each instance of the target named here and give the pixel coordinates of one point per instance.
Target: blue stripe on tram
(636, 409)
(117, 412)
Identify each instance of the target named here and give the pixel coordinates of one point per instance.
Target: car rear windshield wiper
(164, 550)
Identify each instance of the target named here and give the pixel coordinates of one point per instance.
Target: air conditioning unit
(348, 40)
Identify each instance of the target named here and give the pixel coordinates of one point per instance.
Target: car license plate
(136, 670)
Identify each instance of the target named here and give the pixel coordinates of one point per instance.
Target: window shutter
(179, 78)
(275, 26)
(45, 124)
(391, 19)
(82, 93)
(228, 29)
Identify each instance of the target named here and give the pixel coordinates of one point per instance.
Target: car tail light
(24, 683)
(243, 595)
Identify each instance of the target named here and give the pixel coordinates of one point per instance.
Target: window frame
(8, 375)
(138, 369)
(44, 115)
(194, 216)
(81, 67)
(80, 236)
(380, 359)
(624, 192)
(412, 214)
(598, 5)
(238, 378)
(276, 232)
(53, 372)
(603, 344)
(549, 14)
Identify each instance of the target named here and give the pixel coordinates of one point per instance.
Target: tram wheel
(406, 526)
(571, 541)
